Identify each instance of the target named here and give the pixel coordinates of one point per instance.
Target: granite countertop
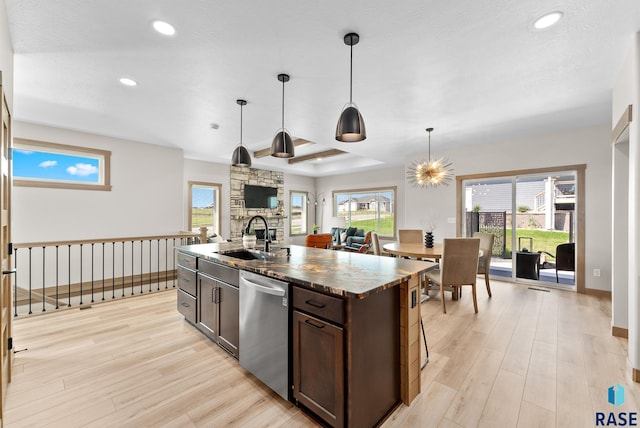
(340, 273)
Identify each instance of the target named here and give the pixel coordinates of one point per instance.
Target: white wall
(627, 92)
(6, 55)
(622, 97)
(146, 196)
(210, 172)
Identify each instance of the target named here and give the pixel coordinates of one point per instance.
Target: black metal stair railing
(60, 275)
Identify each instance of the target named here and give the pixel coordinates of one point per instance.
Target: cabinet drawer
(186, 260)
(187, 280)
(187, 306)
(322, 305)
(221, 272)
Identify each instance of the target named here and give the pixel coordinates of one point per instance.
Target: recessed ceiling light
(547, 20)
(164, 28)
(319, 159)
(128, 82)
(214, 125)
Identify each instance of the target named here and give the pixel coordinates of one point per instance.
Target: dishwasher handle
(276, 291)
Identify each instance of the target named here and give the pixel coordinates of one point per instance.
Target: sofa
(351, 236)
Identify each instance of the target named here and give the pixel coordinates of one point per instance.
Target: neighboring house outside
(365, 204)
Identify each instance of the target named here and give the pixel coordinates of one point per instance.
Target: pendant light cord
(240, 124)
(351, 74)
(429, 145)
(282, 105)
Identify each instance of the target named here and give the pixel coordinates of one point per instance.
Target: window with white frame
(44, 164)
(298, 213)
(204, 207)
(368, 209)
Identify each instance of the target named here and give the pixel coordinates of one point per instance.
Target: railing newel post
(92, 275)
(103, 271)
(57, 277)
(15, 286)
(44, 292)
(30, 270)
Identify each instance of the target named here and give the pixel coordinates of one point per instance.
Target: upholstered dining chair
(458, 267)
(410, 236)
(319, 240)
(375, 243)
(484, 261)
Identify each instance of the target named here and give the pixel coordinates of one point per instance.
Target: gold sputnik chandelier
(430, 173)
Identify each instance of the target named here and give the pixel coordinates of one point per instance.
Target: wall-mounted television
(260, 196)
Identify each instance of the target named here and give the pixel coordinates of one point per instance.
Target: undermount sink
(247, 255)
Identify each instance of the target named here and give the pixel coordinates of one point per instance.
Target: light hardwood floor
(527, 359)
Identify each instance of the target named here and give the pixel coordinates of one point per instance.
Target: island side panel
(373, 357)
(410, 339)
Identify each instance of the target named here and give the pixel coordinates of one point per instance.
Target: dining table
(412, 249)
(418, 251)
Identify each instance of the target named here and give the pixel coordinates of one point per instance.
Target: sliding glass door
(533, 216)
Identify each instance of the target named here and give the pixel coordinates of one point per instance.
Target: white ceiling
(475, 70)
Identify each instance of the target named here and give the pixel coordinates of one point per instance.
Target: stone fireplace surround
(241, 215)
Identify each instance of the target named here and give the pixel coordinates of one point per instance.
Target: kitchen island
(354, 324)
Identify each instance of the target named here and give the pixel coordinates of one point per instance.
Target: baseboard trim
(599, 293)
(620, 332)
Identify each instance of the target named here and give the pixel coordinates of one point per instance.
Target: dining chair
(484, 261)
(319, 240)
(458, 267)
(375, 245)
(410, 236)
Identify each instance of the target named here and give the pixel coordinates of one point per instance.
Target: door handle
(264, 289)
(215, 295)
(313, 324)
(8, 272)
(314, 304)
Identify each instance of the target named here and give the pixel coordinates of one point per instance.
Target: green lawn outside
(543, 240)
(201, 217)
(387, 226)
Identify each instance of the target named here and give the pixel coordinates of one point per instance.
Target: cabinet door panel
(207, 310)
(318, 367)
(229, 317)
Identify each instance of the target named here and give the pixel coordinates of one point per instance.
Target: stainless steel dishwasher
(264, 330)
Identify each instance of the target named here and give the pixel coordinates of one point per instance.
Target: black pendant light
(350, 127)
(241, 154)
(282, 145)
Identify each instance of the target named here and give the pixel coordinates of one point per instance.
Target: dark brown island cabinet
(215, 299)
(353, 356)
(346, 356)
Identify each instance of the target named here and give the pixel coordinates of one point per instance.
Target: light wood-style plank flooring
(527, 359)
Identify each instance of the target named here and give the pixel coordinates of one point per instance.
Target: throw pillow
(216, 239)
(343, 237)
(351, 231)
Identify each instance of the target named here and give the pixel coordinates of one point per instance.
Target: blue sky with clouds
(202, 197)
(54, 166)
